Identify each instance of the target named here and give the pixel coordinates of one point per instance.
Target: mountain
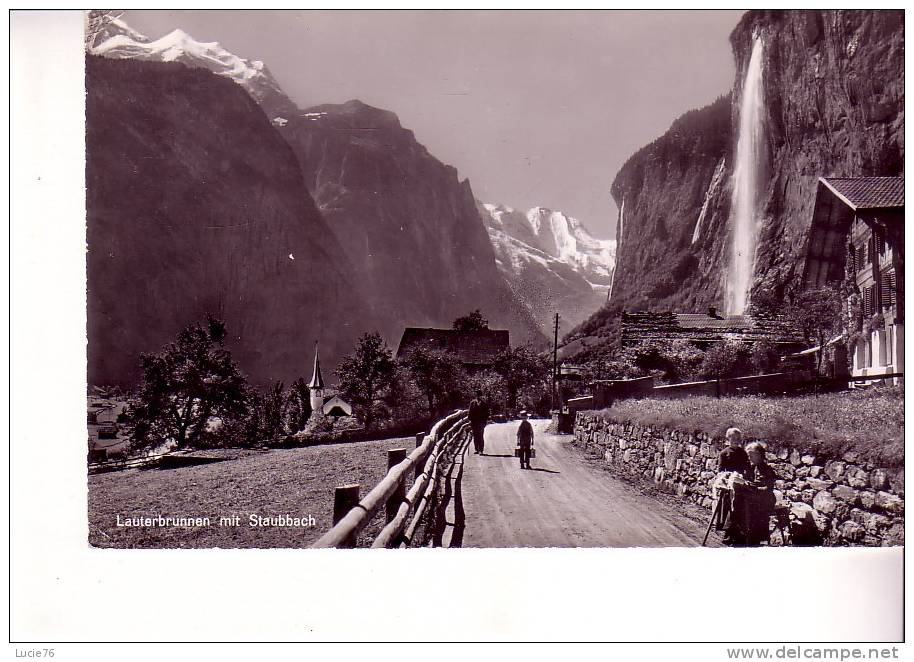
(831, 104)
(673, 199)
(550, 261)
(196, 204)
(406, 222)
(118, 40)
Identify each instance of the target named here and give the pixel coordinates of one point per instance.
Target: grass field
(869, 422)
(293, 482)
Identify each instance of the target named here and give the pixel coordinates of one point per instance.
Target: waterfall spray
(744, 207)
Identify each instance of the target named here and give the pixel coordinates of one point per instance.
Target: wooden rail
(444, 436)
(128, 463)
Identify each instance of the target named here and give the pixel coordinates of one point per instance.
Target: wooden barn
(474, 350)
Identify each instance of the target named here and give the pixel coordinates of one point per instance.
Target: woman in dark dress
(733, 457)
(753, 501)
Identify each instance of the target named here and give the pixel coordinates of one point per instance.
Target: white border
(64, 591)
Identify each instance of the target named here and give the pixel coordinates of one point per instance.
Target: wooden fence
(145, 461)
(405, 510)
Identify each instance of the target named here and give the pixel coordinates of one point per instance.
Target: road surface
(561, 502)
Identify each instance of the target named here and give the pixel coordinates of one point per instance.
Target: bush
(765, 357)
(726, 359)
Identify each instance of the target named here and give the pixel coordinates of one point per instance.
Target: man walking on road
(524, 441)
(479, 416)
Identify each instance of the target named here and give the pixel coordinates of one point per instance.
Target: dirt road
(561, 502)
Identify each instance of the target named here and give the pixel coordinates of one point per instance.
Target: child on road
(524, 440)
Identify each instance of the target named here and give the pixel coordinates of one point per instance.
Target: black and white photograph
(306, 327)
(461, 280)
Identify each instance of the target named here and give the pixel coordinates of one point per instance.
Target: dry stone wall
(831, 500)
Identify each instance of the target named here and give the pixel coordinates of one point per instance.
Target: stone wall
(831, 500)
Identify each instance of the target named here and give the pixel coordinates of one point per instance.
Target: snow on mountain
(557, 235)
(118, 40)
(116, 27)
(550, 261)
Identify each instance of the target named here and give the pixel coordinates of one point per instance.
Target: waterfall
(709, 195)
(744, 207)
(612, 276)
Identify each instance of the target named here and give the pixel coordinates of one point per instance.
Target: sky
(536, 108)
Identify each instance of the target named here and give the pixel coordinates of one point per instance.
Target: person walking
(479, 416)
(524, 441)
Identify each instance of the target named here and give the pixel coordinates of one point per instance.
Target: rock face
(550, 261)
(195, 204)
(673, 199)
(406, 223)
(834, 106)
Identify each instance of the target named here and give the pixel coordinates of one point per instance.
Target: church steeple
(317, 379)
(316, 386)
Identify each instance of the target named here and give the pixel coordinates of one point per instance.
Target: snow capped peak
(504, 209)
(177, 35)
(557, 235)
(119, 40)
(119, 25)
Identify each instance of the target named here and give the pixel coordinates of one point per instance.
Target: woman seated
(753, 501)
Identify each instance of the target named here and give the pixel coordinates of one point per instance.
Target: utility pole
(555, 361)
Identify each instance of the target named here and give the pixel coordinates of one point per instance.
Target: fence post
(394, 457)
(345, 498)
(420, 466)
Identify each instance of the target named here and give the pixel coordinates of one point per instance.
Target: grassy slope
(295, 482)
(870, 422)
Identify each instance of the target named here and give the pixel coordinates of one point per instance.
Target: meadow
(297, 482)
(869, 422)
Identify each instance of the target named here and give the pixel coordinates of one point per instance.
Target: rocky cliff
(196, 204)
(833, 106)
(405, 221)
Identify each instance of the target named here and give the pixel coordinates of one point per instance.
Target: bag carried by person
(517, 450)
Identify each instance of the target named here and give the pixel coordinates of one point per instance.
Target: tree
(267, 421)
(191, 381)
(436, 373)
(765, 357)
(725, 359)
(472, 322)
(366, 374)
(520, 367)
(298, 406)
(819, 314)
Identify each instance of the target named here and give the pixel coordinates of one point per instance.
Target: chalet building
(857, 233)
(704, 330)
(474, 350)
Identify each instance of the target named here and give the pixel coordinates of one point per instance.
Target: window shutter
(888, 288)
(867, 301)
